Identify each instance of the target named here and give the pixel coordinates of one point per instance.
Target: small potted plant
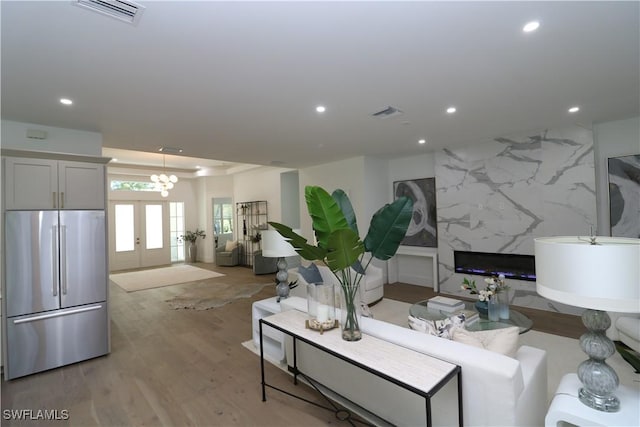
(192, 248)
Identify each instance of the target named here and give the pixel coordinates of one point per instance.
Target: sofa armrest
(533, 402)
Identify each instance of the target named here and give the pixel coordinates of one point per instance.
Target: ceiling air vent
(126, 11)
(170, 150)
(387, 112)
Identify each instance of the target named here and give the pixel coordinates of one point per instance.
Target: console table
(416, 372)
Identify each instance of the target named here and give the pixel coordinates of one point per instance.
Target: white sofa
(497, 390)
(371, 285)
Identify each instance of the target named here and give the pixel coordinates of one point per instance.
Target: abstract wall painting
(422, 230)
(624, 196)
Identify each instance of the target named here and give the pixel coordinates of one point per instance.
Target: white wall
(290, 198)
(413, 167)
(260, 184)
(612, 139)
(347, 175)
(59, 140)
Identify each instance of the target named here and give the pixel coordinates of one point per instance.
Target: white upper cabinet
(32, 183)
(81, 185)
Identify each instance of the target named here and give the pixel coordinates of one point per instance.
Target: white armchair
(625, 327)
(371, 286)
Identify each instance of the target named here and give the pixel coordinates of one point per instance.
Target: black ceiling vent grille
(126, 11)
(387, 112)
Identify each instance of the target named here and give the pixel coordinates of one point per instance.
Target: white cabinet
(33, 183)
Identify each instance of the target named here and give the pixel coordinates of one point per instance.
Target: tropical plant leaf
(299, 243)
(325, 213)
(345, 247)
(388, 227)
(346, 207)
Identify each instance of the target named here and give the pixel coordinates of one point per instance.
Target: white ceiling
(239, 81)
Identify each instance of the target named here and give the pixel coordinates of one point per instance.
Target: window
(222, 216)
(132, 186)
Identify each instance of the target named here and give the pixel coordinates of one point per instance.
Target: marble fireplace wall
(497, 196)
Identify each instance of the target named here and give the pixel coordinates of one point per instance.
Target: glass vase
(503, 301)
(493, 309)
(321, 306)
(350, 312)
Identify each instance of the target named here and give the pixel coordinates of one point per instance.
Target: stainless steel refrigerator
(55, 289)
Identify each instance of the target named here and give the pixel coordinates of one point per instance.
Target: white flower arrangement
(495, 285)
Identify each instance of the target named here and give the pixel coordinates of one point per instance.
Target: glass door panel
(125, 231)
(153, 223)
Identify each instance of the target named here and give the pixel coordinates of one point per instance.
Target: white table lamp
(600, 274)
(275, 246)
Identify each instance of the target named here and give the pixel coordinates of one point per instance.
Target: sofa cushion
(310, 274)
(439, 328)
(230, 245)
(503, 341)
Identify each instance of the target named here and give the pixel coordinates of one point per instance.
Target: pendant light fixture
(162, 182)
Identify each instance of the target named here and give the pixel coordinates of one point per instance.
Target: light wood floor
(180, 367)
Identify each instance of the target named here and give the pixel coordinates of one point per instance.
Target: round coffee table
(516, 318)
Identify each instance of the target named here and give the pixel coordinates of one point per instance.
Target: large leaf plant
(338, 242)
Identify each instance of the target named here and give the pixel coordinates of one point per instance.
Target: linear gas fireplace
(514, 266)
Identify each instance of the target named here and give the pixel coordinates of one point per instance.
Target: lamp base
(282, 288)
(598, 378)
(604, 404)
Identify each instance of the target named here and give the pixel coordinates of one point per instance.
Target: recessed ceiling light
(114, 160)
(451, 110)
(531, 26)
(422, 141)
(66, 101)
(574, 109)
(320, 109)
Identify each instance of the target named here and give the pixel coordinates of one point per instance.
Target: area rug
(159, 277)
(204, 296)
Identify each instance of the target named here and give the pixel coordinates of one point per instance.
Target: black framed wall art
(624, 195)
(423, 227)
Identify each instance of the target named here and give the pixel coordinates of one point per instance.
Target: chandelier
(162, 182)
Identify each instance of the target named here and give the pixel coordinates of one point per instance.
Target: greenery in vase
(339, 246)
(495, 285)
(192, 236)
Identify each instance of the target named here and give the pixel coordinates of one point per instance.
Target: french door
(138, 234)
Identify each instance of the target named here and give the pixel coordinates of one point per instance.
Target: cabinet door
(81, 185)
(30, 183)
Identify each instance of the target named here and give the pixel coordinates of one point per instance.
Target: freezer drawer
(48, 340)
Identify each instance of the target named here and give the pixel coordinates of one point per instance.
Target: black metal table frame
(426, 394)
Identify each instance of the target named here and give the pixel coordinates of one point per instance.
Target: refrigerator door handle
(62, 200)
(57, 314)
(63, 258)
(54, 200)
(54, 259)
